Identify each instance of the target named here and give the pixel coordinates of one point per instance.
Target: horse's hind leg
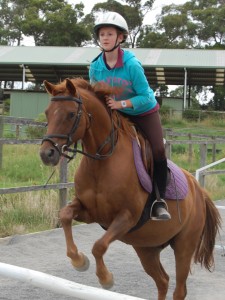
(150, 259)
(67, 214)
(183, 262)
(184, 248)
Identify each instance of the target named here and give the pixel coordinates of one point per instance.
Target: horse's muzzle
(49, 156)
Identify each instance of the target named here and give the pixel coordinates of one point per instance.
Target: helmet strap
(116, 46)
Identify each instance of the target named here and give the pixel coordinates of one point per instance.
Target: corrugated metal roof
(162, 66)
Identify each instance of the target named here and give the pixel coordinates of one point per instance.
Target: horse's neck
(99, 128)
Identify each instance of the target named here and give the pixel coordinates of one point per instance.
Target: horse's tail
(204, 251)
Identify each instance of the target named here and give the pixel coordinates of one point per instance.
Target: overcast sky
(150, 17)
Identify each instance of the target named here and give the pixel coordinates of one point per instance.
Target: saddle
(176, 181)
(177, 186)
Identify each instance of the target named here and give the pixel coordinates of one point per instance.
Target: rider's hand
(111, 103)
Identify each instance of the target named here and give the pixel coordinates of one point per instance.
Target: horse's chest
(97, 199)
(97, 202)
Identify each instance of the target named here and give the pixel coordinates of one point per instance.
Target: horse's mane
(100, 90)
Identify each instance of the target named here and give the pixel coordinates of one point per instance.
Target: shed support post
(23, 81)
(185, 88)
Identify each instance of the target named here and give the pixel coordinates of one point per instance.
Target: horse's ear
(49, 87)
(70, 86)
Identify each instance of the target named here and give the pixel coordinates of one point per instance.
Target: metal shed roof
(162, 66)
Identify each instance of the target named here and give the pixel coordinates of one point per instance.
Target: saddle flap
(177, 186)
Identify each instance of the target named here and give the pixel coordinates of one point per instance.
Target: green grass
(29, 211)
(22, 166)
(208, 127)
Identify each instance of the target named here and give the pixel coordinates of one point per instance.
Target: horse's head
(64, 117)
(77, 111)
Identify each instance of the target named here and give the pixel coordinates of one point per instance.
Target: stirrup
(161, 211)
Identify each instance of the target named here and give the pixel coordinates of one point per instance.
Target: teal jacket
(131, 77)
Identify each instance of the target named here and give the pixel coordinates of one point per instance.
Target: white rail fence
(60, 285)
(198, 176)
(200, 170)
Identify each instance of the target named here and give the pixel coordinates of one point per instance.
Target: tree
(55, 23)
(218, 101)
(173, 29)
(51, 22)
(150, 38)
(210, 18)
(195, 24)
(10, 32)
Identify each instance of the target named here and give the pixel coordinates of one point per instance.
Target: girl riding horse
(121, 68)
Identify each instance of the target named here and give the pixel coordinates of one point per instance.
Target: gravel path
(45, 252)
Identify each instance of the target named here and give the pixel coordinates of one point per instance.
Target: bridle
(112, 138)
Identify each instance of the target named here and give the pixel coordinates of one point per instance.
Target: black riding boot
(160, 209)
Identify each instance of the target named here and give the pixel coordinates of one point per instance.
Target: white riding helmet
(112, 19)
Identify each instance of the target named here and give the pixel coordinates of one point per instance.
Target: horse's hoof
(84, 267)
(107, 285)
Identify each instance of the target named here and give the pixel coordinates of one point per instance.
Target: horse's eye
(71, 115)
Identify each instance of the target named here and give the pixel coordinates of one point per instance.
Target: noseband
(66, 147)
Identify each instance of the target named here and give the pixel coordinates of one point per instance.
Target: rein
(66, 147)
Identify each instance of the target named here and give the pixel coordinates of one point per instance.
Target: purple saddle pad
(177, 188)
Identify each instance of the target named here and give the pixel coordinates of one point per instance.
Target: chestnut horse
(108, 190)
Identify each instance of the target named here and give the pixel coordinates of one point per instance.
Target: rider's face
(108, 37)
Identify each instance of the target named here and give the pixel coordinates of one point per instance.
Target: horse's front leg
(66, 215)
(120, 226)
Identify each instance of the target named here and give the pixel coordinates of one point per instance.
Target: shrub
(6, 106)
(33, 132)
(191, 115)
(165, 113)
(178, 149)
(194, 115)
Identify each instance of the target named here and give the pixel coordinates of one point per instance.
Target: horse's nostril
(50, 152)
(49, 156)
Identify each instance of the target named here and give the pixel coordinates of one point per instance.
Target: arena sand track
(45, 252)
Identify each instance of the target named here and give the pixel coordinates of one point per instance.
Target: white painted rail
(198, 171)
(59, 285)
